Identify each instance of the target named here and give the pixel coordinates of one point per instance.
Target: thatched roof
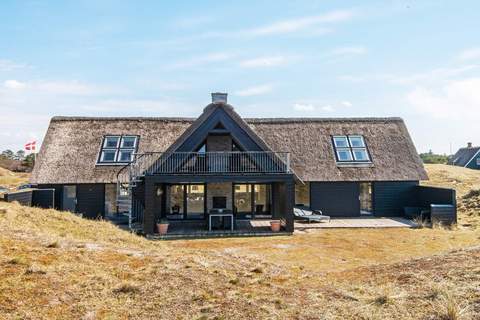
(463, 156)
(70, 149)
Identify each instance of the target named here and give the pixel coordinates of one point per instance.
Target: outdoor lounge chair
(309, 215)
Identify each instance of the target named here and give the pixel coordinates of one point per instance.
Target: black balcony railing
(208, 163)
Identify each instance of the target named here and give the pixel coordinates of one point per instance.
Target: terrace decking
(198, 229)
(259, 228)
(360, 222)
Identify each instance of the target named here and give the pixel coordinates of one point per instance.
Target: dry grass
(56, 265)
(12, 179)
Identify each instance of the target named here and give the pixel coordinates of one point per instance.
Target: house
(183, 169)
(468, 157)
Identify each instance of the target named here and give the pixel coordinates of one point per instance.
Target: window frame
(118, 149)
(351, 149)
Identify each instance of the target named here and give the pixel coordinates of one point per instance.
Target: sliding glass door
(176, 207)
(195, 201)
(242, 195)
(262, 200)
(186, 201)
(252, 200)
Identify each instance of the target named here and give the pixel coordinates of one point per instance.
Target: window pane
(195, 201)
(108, 155)
(128, 142)
(262, 199)
(243, 198)
(175, 209)
(344, 155)
(360, 154)
(340, 141)
(125, 156)
(111, 142)
(356, 141)
(302, 194)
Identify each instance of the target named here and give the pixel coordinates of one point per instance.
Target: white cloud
(68, 88)
(347, 104)
(255, 91)
(432, 76)
(271, 61)
(13, 84)
(328, 108)
(308, 107)
(347, 51)
(300, 24)
(303, 107)
(455, 100)
(201, 60)
(470, 54)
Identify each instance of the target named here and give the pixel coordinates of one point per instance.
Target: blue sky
(419, 60)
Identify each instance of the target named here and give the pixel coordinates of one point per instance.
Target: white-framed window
(351, 148)
(478, 161)
(118, 149)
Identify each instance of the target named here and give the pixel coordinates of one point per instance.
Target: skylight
(350, 148)
(117, 149)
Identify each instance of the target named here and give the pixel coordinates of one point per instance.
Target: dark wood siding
(336, 199)
(58, 193)
(43, 198)
(389, 198)
(22, 197)
(91, 200)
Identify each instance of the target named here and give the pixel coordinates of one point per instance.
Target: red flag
(30, 146)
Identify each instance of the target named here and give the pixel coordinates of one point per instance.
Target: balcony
(200, 163)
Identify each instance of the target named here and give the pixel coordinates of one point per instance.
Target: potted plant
(275, 225)
(162, 226)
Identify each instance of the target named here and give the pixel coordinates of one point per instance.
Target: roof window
(350, 148)
(118, 149)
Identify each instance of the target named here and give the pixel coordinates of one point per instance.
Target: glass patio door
(252, 200)
(365, 198)
(262, 200)
(186, 201)
(195, 195)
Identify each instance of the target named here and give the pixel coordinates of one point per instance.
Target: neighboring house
(468, 157)
(182, 168)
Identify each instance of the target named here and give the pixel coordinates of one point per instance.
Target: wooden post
(149, 212)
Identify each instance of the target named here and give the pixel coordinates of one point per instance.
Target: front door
(69, 202)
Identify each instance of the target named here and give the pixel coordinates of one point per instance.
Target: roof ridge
(252, 120)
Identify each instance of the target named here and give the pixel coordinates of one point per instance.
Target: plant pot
(162, 228)
(275, 225)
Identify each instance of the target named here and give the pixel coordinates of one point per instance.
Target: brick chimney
(469, 144)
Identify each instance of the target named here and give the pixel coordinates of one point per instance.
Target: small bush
(449, 308)
(421, 223)
(35, 270)
(472, 194)
(126, 288)
(17, 261)
(257, 270)
(53, 244)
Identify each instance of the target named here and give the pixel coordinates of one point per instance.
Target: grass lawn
(56, 265)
